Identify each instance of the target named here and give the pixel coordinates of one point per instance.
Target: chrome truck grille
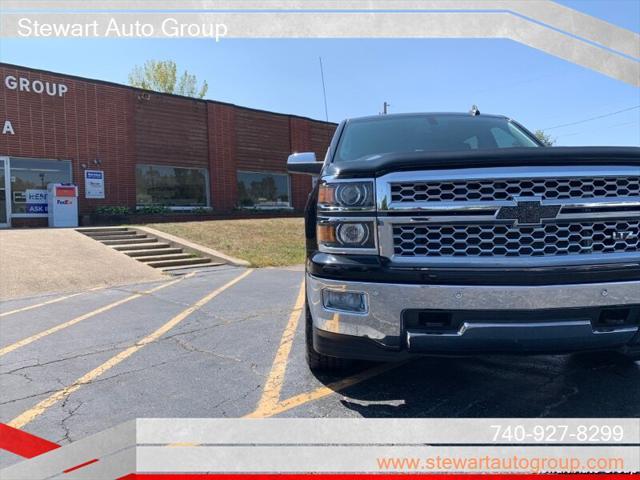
(505, 217)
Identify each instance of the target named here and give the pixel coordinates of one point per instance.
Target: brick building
(145, 148)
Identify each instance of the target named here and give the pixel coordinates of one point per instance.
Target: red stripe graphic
(23, 443)
(373, 476)
(77, 467)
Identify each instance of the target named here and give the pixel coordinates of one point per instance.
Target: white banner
(541, 24)
(344, 446)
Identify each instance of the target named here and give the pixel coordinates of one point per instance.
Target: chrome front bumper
(386, 303)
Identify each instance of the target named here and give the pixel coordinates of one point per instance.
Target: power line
(608, 127)
(592, 118)
(324, 91)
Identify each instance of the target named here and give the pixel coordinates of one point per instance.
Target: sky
(500, 76)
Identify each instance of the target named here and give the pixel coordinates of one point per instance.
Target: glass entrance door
(4, 192)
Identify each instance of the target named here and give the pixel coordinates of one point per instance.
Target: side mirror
(304, 163)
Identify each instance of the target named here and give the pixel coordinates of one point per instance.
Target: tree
(161, 76)
(545, 138)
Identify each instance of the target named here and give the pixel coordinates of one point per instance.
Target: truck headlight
(346, 234)
(346, 195)
(353, 233)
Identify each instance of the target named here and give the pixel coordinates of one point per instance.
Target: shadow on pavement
(500, 386)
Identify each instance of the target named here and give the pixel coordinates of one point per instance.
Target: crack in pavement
(203, 319)
(22, 375)
(121, 345)
(566, 377)
(33, 395)
(239, 398)
(156, 295)
(189, 347)
(64, 359)
(112, 347)
(126, 372)
(66, 437)
(97, 380)
(232, 319)
(197, 316)
(224, 322)
(564, 399)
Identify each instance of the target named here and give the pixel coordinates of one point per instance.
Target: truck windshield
(369, 137)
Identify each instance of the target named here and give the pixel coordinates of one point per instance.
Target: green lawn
(272, 242)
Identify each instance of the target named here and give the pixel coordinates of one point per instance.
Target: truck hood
(503, 157)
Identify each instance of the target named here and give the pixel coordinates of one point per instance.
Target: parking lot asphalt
(228, 342)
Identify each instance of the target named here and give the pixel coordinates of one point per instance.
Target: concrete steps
(129, 241)
(152, 251)
(145, 248)
(187, 262)
(102, 230)
(119, 237)
(166, 256)
(110, 234)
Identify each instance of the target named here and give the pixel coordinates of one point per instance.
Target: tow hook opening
(431, 321)
(610, 318)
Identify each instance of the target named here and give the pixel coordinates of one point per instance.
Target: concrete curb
(193, 247)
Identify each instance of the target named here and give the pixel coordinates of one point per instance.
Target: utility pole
(385, 108)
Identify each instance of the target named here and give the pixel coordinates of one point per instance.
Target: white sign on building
(93, 184)
(36, 200)
(33, 195)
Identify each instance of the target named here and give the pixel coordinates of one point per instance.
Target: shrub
(201, 211)
(112, 211)
(153, 210)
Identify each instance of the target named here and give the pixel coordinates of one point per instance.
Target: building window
(263, 190)
(172, 186)
(29, 180)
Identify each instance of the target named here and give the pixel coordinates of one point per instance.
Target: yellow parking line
(270, 404)
(48, 302)
(273, 385)
(28, 416)
(57, 328)
(336, 387)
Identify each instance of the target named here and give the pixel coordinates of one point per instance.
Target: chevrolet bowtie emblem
(528, 211)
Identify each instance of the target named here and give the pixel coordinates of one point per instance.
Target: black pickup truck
(448, 233)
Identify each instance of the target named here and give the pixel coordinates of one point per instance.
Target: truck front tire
(316, 361)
